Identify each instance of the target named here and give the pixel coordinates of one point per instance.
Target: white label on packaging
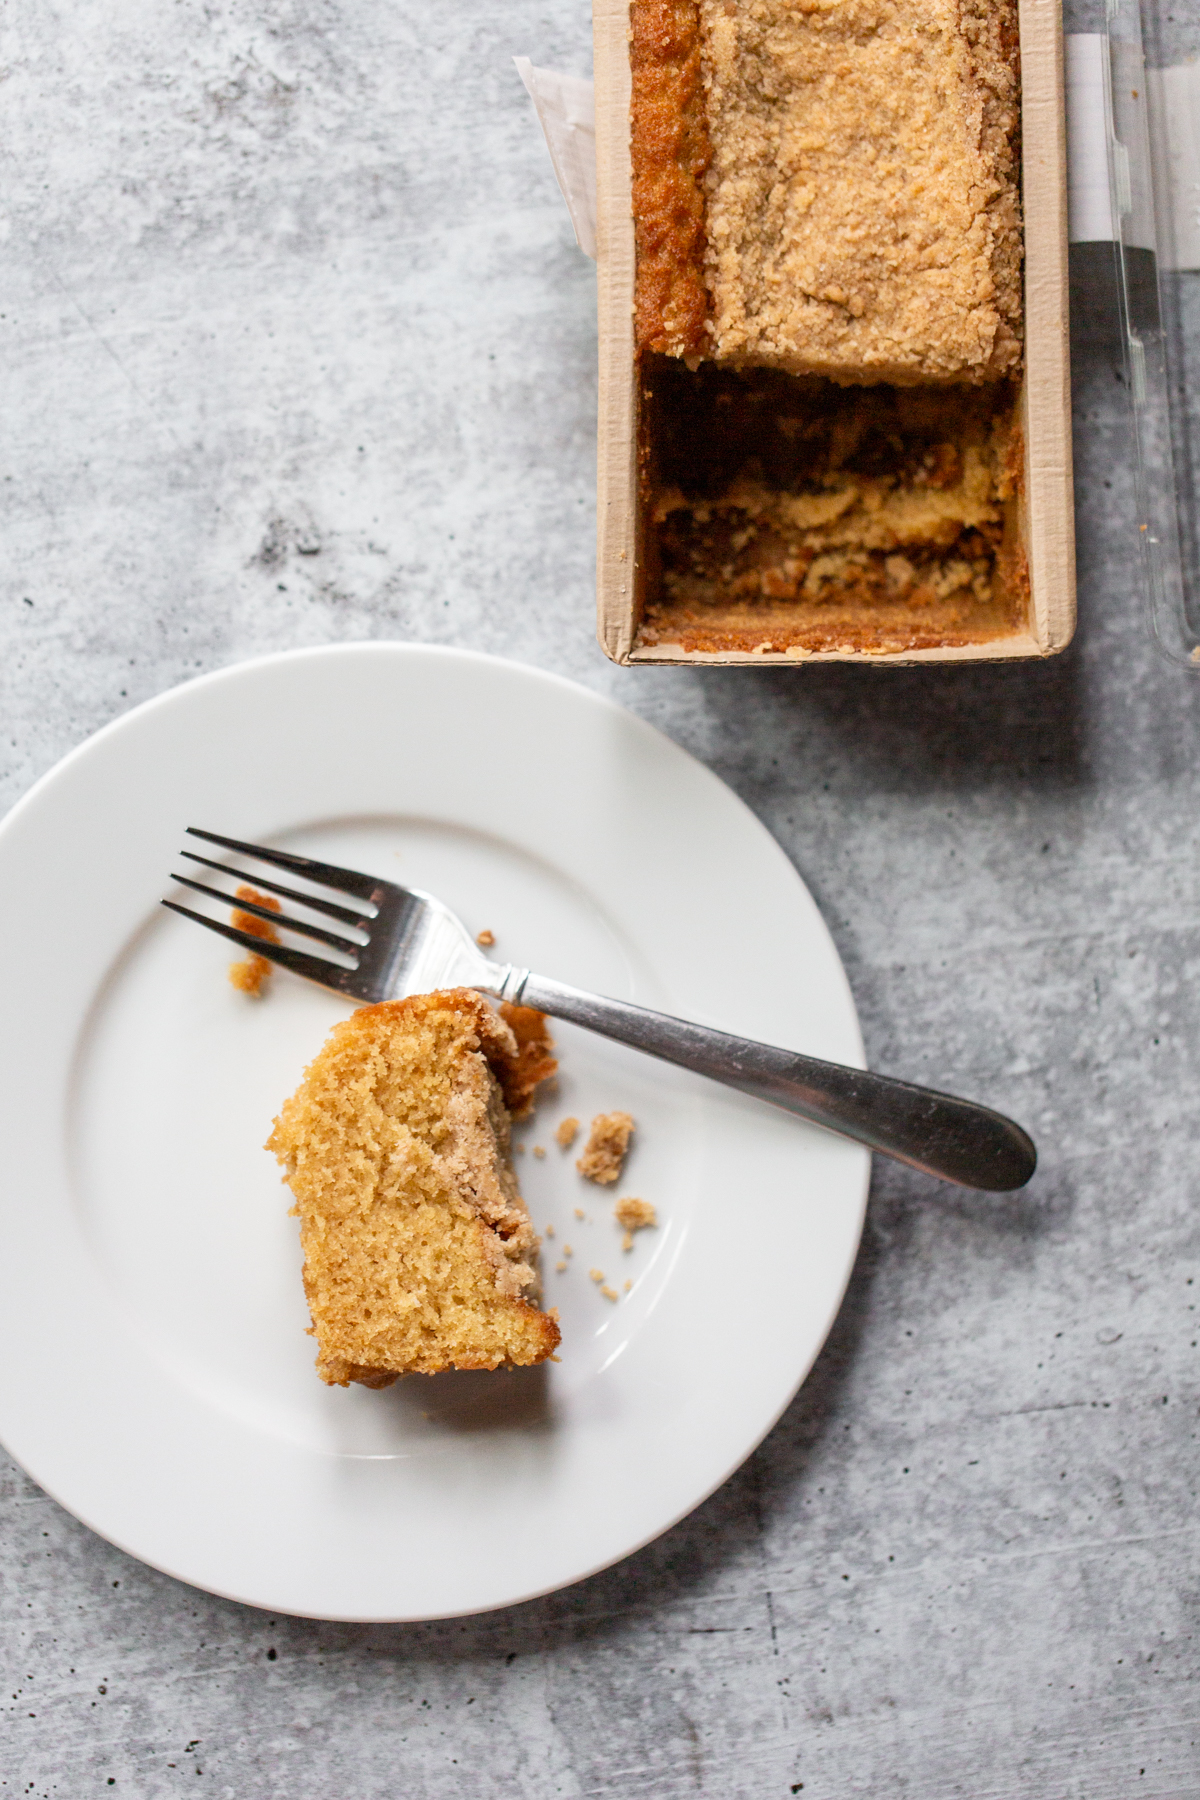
(1089, 202)
(566, 108)
(1168, 101)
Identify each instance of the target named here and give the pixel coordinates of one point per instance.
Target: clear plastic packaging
(1154, 174)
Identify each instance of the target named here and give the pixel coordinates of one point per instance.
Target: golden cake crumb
(609, 1293)
(596, 1274)
(567, 1132)
(635, 1214)
(418, 1249)
(538, 1151)
(549, 1231)
(249, 974)
(605, 1150)
(561, 1267)
(485, 938)
(628, 1286)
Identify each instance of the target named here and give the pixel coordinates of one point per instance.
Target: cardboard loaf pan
(1045, 515)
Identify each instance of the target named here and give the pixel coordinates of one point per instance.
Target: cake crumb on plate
(567, 1133)
(634, 1214)
(609, 1293)
(538, 1151)
(249, 975)
(485, 938)
(604, 1153)
(597, 1275)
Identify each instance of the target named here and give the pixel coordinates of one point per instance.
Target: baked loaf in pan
(828, 314)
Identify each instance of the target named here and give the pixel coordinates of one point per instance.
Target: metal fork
(399, 941)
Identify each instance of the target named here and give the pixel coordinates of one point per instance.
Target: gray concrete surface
(297, 348)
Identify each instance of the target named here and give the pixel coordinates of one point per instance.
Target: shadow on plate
(475, 1400)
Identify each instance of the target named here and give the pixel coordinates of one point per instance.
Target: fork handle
(939, 1134)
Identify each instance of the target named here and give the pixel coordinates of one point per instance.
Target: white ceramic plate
(158, 1380)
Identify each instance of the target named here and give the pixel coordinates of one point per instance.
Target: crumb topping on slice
(862, 211)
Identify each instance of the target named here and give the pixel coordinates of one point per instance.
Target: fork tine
(345, 914)
(273, 918)
(349, 880)
(314, 968)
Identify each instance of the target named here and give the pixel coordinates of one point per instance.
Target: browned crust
(670, 152)
(992, 29)
(886, 634)
(534, 1063)
(367, 1377)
